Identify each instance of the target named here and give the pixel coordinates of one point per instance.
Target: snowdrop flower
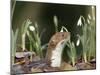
(32, 28)
(63, 28)
(92, 7)
(88, 21)
(78, 42)
(55, 20)
(89, 16)
(79, 23)
(36, 25)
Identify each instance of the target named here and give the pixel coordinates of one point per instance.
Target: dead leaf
(66, 66)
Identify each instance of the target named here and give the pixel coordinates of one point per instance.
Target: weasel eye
(62, 35)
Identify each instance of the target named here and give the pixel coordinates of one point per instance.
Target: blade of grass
(55, 19)
(24, 28)
(14, 44)
(72, 53)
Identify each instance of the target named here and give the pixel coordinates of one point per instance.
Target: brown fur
(55, 39)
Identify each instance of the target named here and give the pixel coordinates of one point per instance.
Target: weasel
(54, 53)
(55, 48)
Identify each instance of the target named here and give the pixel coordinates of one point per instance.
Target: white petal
(79, 23)
(61, 30)
(78, 42)
(89, 16)
(92, 7)
(32, 28)
(88, 21)
(55, 20)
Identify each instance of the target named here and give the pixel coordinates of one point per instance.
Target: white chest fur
(57, 54)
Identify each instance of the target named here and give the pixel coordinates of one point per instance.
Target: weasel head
(58, 37)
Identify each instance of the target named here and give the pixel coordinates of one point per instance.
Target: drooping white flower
(78, 42)
(92, 7)
(32, 28)
(79, 23)
(55, 20)
(63, 28)
(88, 21)
(36, 25)
(89, 16)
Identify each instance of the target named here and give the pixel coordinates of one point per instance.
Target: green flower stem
(85, 58)
(73, 61)
(23, 41)
(30, 49)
